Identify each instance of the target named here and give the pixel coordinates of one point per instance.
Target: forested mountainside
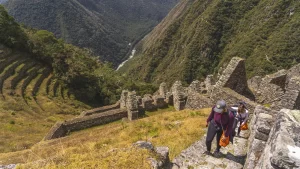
(208, 33)
(43, 79)
(108, 27)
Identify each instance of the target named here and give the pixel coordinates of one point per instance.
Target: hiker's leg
(239, 129)
(219, 134)
(211, 132)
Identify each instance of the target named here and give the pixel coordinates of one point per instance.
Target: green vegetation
(209, 33)
(43, 79)
(106, 27)
(99, 146)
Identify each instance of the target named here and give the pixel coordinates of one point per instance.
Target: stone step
(232, 156)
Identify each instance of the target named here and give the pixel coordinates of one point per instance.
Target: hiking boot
(207, 153)
(217, 153)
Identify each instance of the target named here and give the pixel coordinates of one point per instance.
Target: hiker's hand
(207, 124)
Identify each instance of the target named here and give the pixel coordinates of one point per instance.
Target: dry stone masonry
(234, 77)
(132, 106)
(163, 89)
(272, 142)
(123, 99)
(270, 89)
(291, 98)
(178, 96)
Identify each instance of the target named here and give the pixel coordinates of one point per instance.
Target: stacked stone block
(270, 89)
(132, 106)
(159, 101)
(148, 103)
(234, 77)
(261, 125)
(291, 98)
(169, 98)
(178, 96)
(163, 89)
(209, 82)
(123, 99)
(195, 86)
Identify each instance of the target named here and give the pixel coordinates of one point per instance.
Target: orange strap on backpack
(225, 142)
(244, 126)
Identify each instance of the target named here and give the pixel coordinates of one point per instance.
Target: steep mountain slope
(43, 80)
(106, 27)
(210, 32)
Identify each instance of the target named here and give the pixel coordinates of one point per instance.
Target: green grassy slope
(106, 27)
(44, 80)
(110, 145)
(210, 32)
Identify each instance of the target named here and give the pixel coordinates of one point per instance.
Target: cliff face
(207, 33)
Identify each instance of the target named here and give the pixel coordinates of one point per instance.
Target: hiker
(219, 120)
(241, 116)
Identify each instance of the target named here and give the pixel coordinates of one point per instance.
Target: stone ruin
(148, 103)
(123, 99)
(234, 77)
(273, 141)
(178, 96)
(132, 106)
(278, 90)
(163, 89)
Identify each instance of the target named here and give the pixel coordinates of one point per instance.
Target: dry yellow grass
(109, 146)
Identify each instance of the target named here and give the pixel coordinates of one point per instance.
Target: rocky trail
(232, 156)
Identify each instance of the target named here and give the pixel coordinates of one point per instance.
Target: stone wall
(260, 126)
(148, 103)
(123, 99)
(270, 89)
(234, 77)
(291, 97)
(60, 129)
(274, 141)
(132, 106)
(178, 96)
(159, 101)
(101, 109)
(231, 97)
(197, 101)
(163, 89)
(57, 131)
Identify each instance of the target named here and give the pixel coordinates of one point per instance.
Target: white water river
(131, 56)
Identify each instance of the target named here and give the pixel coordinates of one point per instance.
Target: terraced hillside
(31, 100)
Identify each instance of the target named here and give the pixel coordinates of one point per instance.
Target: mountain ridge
(209, 33)
(105, 27)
